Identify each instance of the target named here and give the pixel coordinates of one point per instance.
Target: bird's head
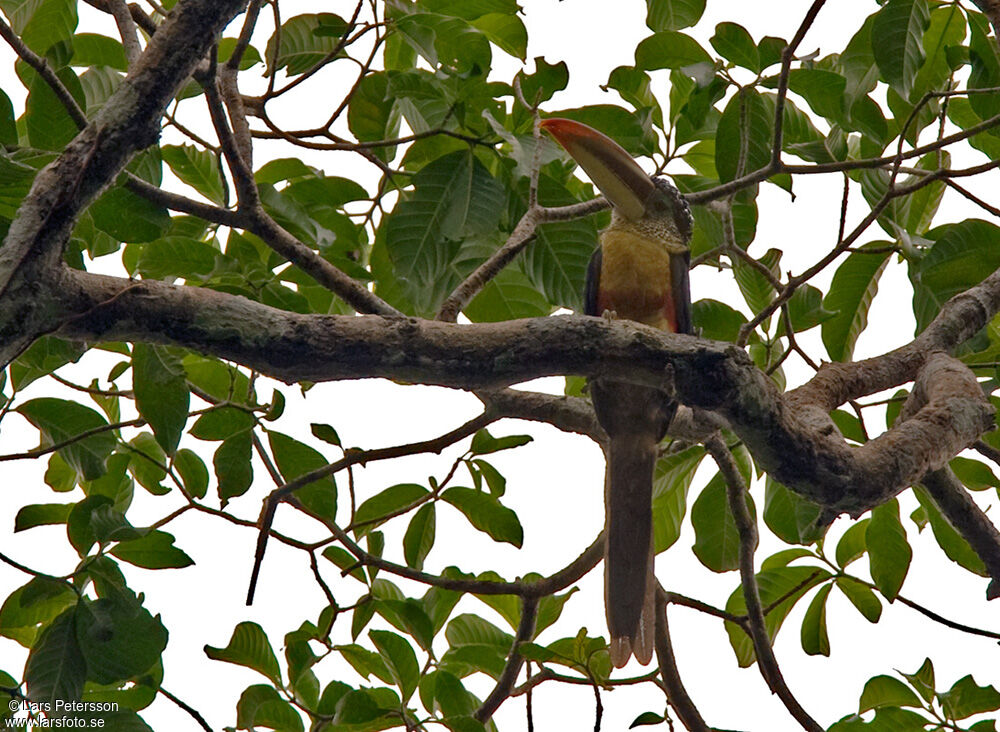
(637, 198)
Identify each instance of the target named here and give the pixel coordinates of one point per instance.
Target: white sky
(556, 476)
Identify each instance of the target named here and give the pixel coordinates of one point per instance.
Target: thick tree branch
(790, 435)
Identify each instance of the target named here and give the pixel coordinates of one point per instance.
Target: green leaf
(668, 15)
(854, 286)
(885, 691)
(671, 482)
(974, 474)
(419, 537)
(791, 517)
(923, 680)
(399, 659)
(198, 168)
(717, 540)
(646, 718)
(232, 466)
(453, 197)
(43, 357)
(8, 128)
(889, 552)
(670, 50)
(954, 545)
(30, 608)
(556, 262)
(823, 90)
(261, 705)
(861, 597)
(743, 136)
(961, 256)
(306, 40)
(56, 669)
(128, 217)
(41, 514)
(504, 31)
(391, 501)
(249, 647)
(815, 640)
(161, 393)
(487, 514)
(118, 637)
(59, 420)
(852, 544)
(46, 120)
(155, 550)
(897, 41)
(43, 23)
(193, 472)
(293, 459)
(483, 443)
(176, 256)
(780, 588)
(508, 296)
(966, 698)
(372, 114)
(734, 43)
(985, 64)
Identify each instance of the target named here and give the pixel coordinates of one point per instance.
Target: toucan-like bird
(639, 272)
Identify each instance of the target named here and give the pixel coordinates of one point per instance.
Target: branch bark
(791, 435)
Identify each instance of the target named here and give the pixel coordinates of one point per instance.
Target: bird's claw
(609, 315)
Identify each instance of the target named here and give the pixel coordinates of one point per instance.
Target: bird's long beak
(609, 166)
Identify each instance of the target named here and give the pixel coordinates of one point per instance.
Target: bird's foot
(609, 315)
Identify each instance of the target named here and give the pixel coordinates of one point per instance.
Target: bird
(638, 272)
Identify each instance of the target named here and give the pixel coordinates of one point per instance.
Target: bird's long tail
(628, 570)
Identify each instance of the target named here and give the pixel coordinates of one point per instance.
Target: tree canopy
(154, 240)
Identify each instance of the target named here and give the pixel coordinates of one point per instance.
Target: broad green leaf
(791, 517)
(508, 296)
(889, 552)
(483, 443)
(780, 589)
(176, 256)
(249, 647)
(399, 659)
(128, 217)
(823, 90)
(897, 41)
(671, 482)
(852, 544)
(717, 320)
(56, 669)
(161, 393)
(46, 120)
(198, 168)
(486, 513)
(923, 680)
(734, 43)
(886, 691)
(155, 550)
(28, 609)
(670, 15)
(813, 635)
(391, 501)
(453, 197)
(419, 537)
(41, 24)
(743, 139)
(862, 598)
(966, 698)
(193, 472)
(148, 463)
(717, 540)
(61, 421)
(546, 81)
(8, 128)
(962, 255)
(91, 49)
(670, 49)
(293, 459)
(954, 545)
(41, 514)
(95, 520)
(306, 40)
(985, 63)
(504, 31)
(118, 637)
(365, 662)
(854, 286)
(232, 466)
(261, 705)
(43, 357)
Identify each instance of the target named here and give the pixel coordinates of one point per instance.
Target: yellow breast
(635, 279)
